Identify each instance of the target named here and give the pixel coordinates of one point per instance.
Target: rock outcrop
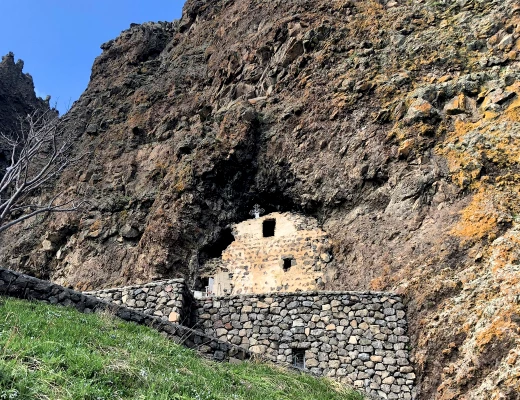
(395, 123)
(17, 99)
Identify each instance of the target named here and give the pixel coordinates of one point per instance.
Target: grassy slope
(48, 352)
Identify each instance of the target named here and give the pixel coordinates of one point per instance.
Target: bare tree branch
(39, 153)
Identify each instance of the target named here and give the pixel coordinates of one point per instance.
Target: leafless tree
(38, 153)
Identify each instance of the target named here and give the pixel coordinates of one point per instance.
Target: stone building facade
(279, 252)
(357, 338)
(266, 300)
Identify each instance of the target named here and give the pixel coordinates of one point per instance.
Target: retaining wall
(14, 284)
(356, 338)
(169, 300)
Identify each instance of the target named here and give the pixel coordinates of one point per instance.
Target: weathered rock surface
(17, 99)
(343, 110)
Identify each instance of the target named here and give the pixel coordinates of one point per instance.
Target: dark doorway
(268, 227)
(287, 264)
(298, 358)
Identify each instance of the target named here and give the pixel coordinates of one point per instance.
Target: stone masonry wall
(14, 284)
(356, 338)
(170, 300)
(255, 264)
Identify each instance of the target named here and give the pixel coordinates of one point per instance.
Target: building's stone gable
(255, 264)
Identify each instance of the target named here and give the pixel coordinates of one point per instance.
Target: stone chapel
(279, 252)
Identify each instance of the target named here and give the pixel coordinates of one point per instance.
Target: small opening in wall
(287, 264)
(268, 227)
(204, 281)
(298, 358)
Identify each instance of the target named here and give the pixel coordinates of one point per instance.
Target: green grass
(49, 352)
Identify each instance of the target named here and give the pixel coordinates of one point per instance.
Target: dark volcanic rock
(17, 99)
(334, 109)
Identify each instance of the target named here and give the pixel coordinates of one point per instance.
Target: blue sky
(59, 39)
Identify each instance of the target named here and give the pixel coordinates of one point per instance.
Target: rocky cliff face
(395, 123)
(17, 99)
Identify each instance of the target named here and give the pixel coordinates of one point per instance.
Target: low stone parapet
(357, 338)
(170, 300)
(14, 284)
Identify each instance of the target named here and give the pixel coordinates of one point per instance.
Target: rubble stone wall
(169, 300)
(14, 284)
(356, 338)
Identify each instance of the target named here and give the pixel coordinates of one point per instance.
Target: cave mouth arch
(223, 241)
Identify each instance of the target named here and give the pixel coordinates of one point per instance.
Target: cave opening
(215, 249)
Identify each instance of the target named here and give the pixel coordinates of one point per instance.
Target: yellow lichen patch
(424, 107)
(479, 218)
(492, 139)
(512, 357)
(179, 177)
(463, 164)
(182, 178)
(512, 112)
(507, 252)
(499, 327)
(388, 278)
(368, 18)
(445, 78)
(96, 225)
(405, 148)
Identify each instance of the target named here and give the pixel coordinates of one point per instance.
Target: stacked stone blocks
(171, 300)
(356, 338)
(14, 284)
(255, 264)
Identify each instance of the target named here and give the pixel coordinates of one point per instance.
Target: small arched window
(288, 262)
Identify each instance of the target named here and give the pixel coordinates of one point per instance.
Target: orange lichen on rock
(463, 164)
(370, 13)
(96, 225)
(491, 207)
(512, 112)
(469, 145)
(501, 325)
(478, 219)
(506, 253)
(378, 283)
